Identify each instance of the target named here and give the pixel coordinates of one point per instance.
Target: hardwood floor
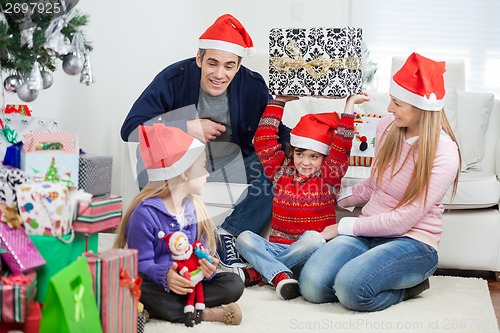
(493, 285)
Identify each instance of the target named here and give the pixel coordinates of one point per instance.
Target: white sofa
(471, 236)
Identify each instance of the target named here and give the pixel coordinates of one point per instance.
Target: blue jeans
(364, 273)
(253, 211)
(269, 259)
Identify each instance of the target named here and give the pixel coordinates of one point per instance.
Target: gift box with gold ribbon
(321, 62)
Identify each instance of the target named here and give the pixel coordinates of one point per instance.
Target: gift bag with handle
(70, 305)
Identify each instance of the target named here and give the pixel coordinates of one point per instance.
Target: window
(444, 29)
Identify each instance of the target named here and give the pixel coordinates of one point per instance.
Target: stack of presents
(54, 200)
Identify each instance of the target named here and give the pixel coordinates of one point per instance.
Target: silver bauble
(72, 64)
(26, 94)
(11, 83)
(47, 79)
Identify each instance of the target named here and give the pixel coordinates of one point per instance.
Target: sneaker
(251, 277)
(286, 286)
(227, 254)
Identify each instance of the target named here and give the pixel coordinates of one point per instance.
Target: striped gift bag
(117, 288)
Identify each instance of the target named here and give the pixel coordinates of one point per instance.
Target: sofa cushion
(476, 189)
(471, 111)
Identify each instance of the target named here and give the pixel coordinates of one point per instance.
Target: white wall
(133, 41)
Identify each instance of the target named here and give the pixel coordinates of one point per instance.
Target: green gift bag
(70, 305)
(59, 254)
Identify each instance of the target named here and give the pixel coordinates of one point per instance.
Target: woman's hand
(330, 232)
(177, 283)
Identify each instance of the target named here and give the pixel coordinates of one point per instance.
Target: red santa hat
(167, 151)
(227, 34)
(420, 82)
(315, 132)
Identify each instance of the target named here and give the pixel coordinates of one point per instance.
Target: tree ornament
(11, 83)
(86, 76)
(26, 94)
(35, 81)
(72, 64)
(47, 79)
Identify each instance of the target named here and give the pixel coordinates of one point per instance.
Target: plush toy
(187, 256)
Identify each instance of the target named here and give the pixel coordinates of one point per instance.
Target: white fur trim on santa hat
(421, 102)
(308, 143)
(194, 151)
(223, 46)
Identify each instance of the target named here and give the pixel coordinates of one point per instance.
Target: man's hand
(177, 283)
(205, 129)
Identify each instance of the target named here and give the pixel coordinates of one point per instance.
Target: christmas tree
(34, 36)
(51, 175)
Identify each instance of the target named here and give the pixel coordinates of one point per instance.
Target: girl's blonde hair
(430, 125)
(161, 189)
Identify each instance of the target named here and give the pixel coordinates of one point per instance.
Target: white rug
(452, 304)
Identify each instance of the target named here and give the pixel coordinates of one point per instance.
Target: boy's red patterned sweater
(301, 203)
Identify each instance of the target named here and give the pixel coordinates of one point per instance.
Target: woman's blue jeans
(365, 273)
(269, 259)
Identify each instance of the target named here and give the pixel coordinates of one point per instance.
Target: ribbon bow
(11, 216)
(77, 299)
(9, 134)
(16, 279)
(133, 284)
(317, 67)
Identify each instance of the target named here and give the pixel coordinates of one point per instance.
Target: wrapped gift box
(59, 253)
(101, 213)
(17, 292)
(322, 62)
(30, 325)
(117, 288)
(51, 157)
(45, 208)
(21, 254)
(94, 174)
(10, 178)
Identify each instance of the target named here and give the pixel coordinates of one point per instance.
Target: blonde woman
(386, 255)
(175, 163)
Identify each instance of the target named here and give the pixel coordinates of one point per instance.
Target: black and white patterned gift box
(95, 173)
(322, 62)
(10, 178)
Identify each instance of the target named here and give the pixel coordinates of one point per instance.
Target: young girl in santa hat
(175, 163)
(387, 254)
(306, 180)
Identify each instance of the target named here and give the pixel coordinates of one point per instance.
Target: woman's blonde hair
(430, 125)
(206, 228)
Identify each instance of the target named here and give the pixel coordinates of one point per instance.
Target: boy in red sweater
(306, 179)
